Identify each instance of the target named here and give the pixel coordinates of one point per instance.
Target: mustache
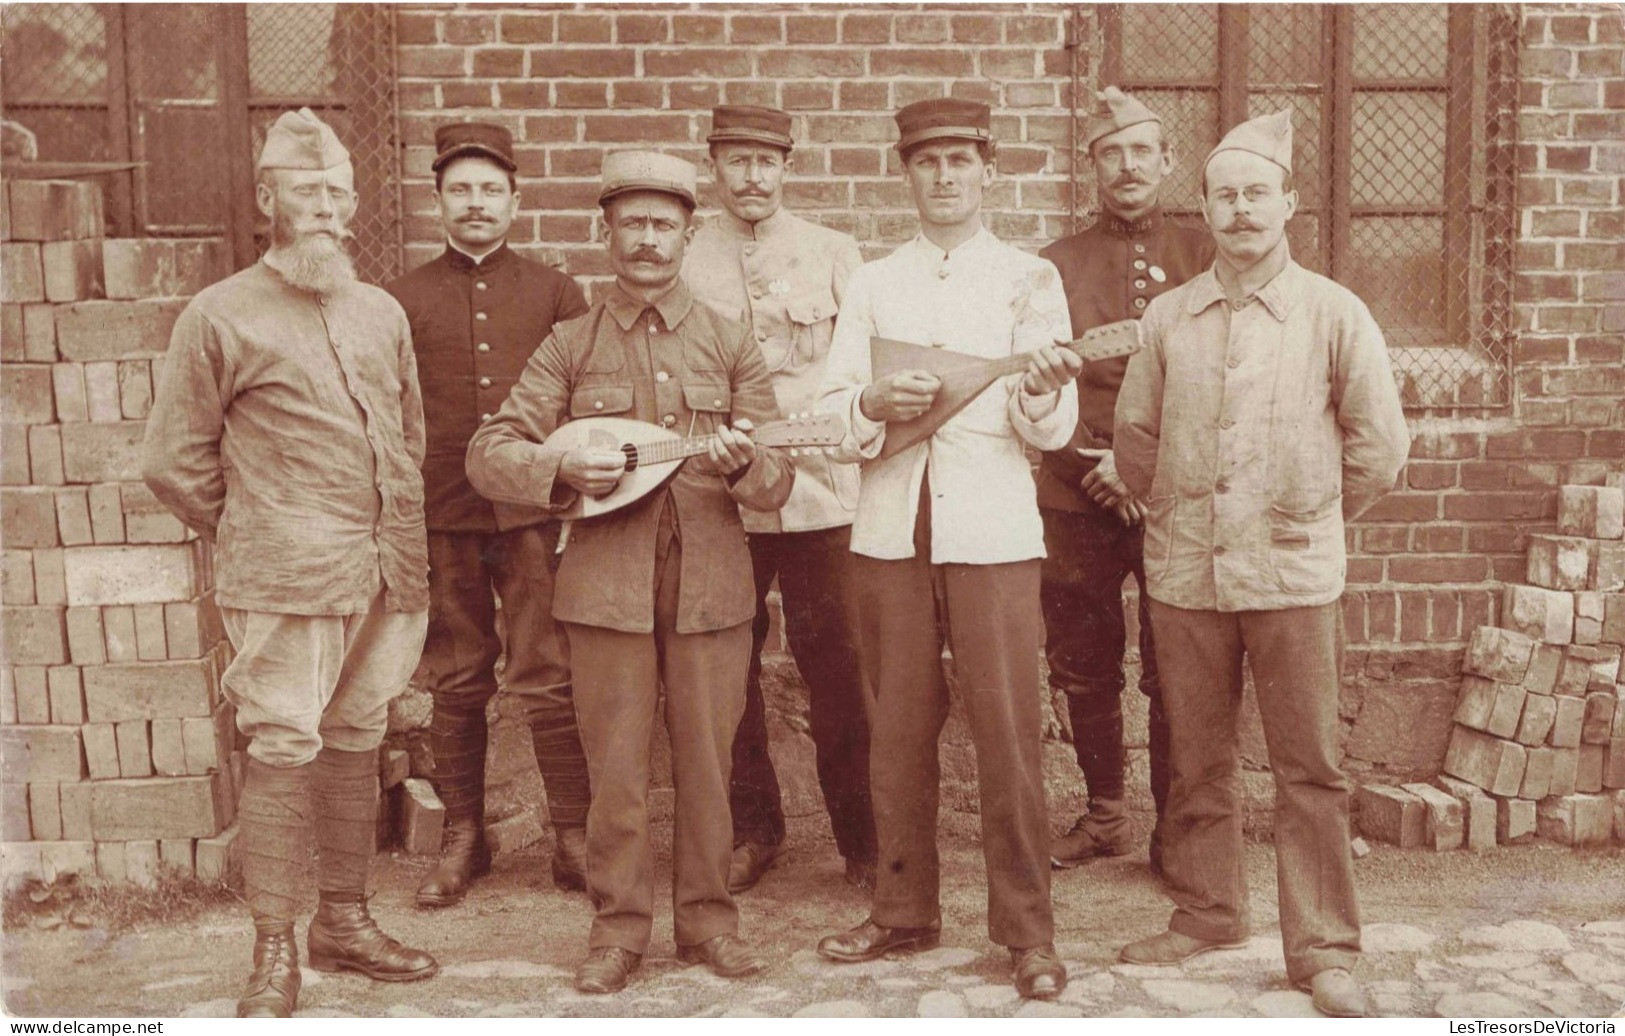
(475, 217)
(1238, 225)
(647, 255)
(1128, 179)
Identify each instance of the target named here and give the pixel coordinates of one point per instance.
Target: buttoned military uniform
(785, 277)
(475, 323)
(1110, 272)
(656, 593)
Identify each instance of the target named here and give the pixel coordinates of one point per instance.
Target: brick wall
(1425, 565)
(574, 83)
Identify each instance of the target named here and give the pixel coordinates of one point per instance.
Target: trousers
(812, 569)
(1296, 656)
(618, 677)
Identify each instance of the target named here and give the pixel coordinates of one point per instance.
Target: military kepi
(485, 139)
(748, 123)
(1114, 110)
(943, 118)
(299, 140)
(1268, 135)
(647, 171)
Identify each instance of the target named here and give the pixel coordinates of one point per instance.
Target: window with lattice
(1404, 118)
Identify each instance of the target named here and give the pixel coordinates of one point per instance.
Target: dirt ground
(1537, 930)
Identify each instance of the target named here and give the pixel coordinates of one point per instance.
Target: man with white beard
(288, 432)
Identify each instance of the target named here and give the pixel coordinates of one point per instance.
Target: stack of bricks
(1540, 721)
(116, 742)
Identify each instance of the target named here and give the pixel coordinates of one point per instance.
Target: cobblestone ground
(1536, 931)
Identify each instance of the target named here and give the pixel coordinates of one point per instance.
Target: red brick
(862, 95)
(699, 28)
(920, 63)
(429, 62)
(1033, 29)
(866, 28)
(811, 28)
(499, 62)
(694, 62)
(525, 27)
(760, 92)
(798, 62)
(815, 96)
(581, 95)
(585, 28)
(755, 28)
(1013, 63)
(641, 28)
(637, 93)
(1405, 507)
(415, 27)
(694, 94)
(467, 95)
(467, 29)
(585, 62)
(643, 129)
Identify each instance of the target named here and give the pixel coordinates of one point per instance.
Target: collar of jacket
(673, 306)
(462, 262)
(1116, 225)
(970, 246)
(1277, 296)
(761, 230)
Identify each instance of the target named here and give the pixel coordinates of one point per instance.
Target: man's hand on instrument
(732, 448)
(1108, 490)
(593, 472)
(902, 396)
(1051, 367)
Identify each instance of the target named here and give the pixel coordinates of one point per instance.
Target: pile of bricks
(116, 746)
(1538, 742)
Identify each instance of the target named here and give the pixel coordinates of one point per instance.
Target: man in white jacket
(947, 541)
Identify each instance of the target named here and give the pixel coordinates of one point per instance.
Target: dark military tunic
(1110, 272)
(474, 326)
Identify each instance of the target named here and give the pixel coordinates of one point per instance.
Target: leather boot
(1102, 831)
(273, 987)
(464, 856)
(570, 857)
(344, 935)
(457, 739)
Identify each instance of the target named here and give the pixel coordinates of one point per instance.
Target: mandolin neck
(673, 449)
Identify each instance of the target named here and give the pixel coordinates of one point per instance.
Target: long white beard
(314, 262)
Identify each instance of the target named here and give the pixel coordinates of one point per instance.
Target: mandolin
(653, 454)
(964, 376)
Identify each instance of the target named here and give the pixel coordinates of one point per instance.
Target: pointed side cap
(1114, 110)
(1268, 135)
(300, 140)
(648, 171)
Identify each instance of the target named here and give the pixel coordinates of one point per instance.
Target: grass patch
(72, 902)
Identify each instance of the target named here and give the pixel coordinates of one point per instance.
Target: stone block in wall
(102, 452)
(72, 270)
(150, 690)
(22, 272)
(192, 628)
(1576, 819)
(143, 574)
(45, 861)
(141, 862)
(1539, 712)
(31, 695)
(1478, 812)
(156, 807)
(134, 750)
(28, 515)
(1567, 723)
(1607, 567)
(101, 750)
(1597, 512)
(1613, 769)
(1558, 562)
(1597, 726)
(1565, 772)
(45, 811)
(1515, 821)
(1489, 706)
(30, 754)
(1589, 767)
(1613, 622)
(116, 329)
(1546, 615)
(1588, 617)
(1499, 655)
(1445, 827)
(1538, 772)
(175, 854)
(168, 748)
(149, 267)
(14, 823)
(26, 396)
(55, 210)
(1604, 659)
(1391, 815)
(1490, 763)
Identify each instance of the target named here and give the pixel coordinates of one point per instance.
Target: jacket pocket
(600, 400)
(1158, 537)
(709, 398)
(1306, 547)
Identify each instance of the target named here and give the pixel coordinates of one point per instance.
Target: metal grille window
(1404, 119)
(167, 104)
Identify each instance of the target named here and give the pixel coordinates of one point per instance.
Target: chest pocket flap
(598, 400)
(709, 398)
(811, 309)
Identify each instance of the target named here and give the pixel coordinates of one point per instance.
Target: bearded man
(287, 431)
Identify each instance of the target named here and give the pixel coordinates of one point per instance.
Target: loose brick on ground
(1489, 762)
(158, 807)
(423, 817)
(1576, 819)
(1446, 826)
(1391, 815)
(1539, 712)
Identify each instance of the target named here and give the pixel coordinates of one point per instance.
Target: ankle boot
(273, 987)
(1102, 831)
(464, 856)
(344, 935)
(570, 857)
